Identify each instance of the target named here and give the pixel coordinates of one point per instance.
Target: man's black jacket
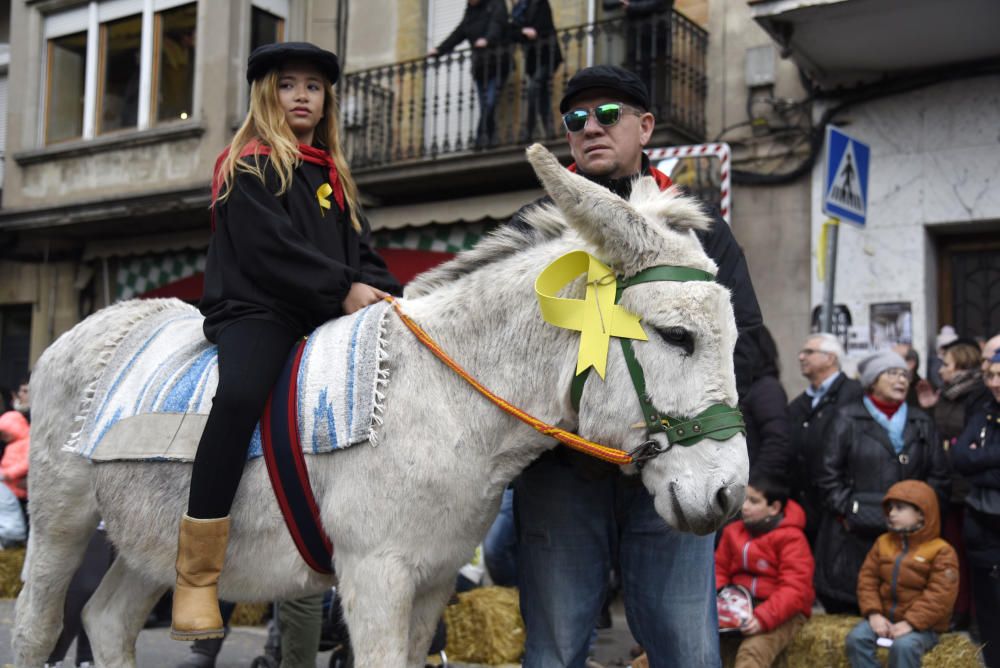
(488, 19)
(809, 431)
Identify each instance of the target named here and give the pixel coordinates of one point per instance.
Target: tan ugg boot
(201, 549)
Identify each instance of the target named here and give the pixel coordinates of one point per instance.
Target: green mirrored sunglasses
(606, 114)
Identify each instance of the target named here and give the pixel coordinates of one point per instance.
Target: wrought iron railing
(429, 107)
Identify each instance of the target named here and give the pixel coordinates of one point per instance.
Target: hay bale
(11, 563)
(821, 643)
(485, 626)
(249, 614)
(955, 650)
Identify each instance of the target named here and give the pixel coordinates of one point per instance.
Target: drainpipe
(53, 272)
(591, 20)
(107, 281)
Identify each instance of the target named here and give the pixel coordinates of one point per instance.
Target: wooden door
(969, 284)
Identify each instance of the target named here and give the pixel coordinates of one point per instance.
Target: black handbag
(865, 515)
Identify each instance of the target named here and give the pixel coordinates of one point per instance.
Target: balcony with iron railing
(410, 128)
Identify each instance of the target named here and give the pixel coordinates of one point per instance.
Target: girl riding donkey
(290, 250)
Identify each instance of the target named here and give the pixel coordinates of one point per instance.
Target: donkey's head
(697, 477)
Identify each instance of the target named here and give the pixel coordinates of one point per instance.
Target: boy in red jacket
(768, 554)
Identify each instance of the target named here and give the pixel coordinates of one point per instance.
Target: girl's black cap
(271, 56)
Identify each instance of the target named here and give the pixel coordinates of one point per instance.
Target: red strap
(310, 154)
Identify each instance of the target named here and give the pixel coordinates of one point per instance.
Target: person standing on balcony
(577, 516)
(531, 24)
(647, 32)
(290, 250)
(484, 25)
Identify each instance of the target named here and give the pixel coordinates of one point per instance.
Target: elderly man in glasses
(811, 414)
(578, 517)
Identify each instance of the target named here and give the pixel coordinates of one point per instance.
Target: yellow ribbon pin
(596, 317)
(323, 197)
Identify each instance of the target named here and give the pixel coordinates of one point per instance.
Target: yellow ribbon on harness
(323, 197)
(596, 317)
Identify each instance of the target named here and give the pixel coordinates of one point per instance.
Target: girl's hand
(360, 296)
(480, 43)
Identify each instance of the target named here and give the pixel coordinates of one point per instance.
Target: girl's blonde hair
(265, 123)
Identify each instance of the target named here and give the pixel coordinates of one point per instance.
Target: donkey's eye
(677, 336)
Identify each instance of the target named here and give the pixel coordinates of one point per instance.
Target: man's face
(992, 379)
(990, 349)
(813, 361)
(612, 151)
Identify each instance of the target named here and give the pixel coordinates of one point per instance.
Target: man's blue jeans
(906, 651)
(500, 544)
(572, 532)
(488, 91)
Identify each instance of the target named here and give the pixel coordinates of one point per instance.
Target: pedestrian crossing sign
(845, 177)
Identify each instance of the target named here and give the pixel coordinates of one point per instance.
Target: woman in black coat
(976, 455)
(765, 410)
(873, 444)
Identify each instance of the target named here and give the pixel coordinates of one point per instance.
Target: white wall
(935, 162)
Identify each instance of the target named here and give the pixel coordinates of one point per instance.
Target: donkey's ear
(597, 214)
(677, 211)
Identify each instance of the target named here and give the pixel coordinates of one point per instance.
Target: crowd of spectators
(852, 440)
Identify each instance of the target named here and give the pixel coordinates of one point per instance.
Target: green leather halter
(717, 422)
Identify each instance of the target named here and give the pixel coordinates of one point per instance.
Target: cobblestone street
(156, 649)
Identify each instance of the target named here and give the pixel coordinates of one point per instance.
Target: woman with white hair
(875, 442)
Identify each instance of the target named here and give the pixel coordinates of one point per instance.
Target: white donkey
(406, 515)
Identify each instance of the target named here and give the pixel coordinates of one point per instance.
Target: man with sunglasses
(578, 517)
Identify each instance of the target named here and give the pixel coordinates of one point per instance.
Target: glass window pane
(265, 28)
(120, 73)
(67, 70)
(175, 63)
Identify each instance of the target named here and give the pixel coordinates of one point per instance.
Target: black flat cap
(271, 56)
(612, 77)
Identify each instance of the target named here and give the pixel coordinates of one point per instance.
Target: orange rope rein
(568, 438)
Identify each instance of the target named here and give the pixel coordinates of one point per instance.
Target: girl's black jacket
(285, 259)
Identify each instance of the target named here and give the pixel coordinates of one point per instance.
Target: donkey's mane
(541, 221)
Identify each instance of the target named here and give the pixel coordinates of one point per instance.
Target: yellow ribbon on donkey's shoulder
(596, 317)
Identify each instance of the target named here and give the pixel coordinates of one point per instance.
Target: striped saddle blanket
(151, 398)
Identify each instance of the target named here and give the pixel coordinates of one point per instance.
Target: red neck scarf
(888, 408)
(662, 179)
(310, 154)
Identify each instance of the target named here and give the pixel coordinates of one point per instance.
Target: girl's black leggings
(252, 354)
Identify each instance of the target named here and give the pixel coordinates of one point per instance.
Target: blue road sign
(845, 177)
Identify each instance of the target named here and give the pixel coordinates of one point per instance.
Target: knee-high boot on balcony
(201, 550)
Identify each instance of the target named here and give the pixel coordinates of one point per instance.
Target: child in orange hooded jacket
(769, 555)
(908, 583)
